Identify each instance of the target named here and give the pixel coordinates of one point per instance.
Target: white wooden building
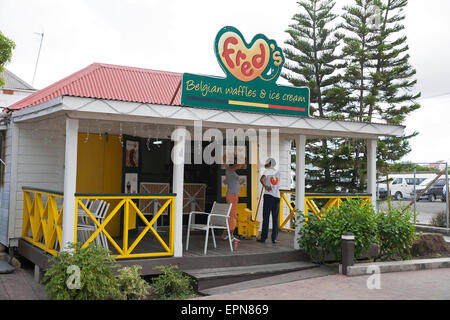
(48, 130)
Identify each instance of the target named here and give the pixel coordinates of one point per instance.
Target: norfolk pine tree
(392, 81)
(378, 76)
(312, 61)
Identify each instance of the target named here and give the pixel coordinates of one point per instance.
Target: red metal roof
(112, 82)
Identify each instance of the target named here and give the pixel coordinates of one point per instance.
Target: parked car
(381, 190)
(444, 193)
(434, 192)
(403, 185)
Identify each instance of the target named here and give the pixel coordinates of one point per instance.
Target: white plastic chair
(82, 215)
(217, 219)
(101, 218)
(98, 209)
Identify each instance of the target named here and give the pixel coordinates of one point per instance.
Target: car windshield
(425, 182)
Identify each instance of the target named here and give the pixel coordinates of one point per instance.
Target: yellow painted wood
(99, 170)
(254, 174)
(128, 204)
(144, 255)
(44, 221)
(101, 227)
(310, 205)
(149, 226)
(172, 225)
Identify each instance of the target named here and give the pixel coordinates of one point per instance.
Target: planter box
(430, 229)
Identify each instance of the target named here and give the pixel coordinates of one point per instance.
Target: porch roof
(119, 93)
(112, 82)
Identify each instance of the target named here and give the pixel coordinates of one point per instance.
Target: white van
(402, 185)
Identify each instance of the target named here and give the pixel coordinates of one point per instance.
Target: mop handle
(257, 208)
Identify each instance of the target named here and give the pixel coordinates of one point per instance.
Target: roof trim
(87, 108)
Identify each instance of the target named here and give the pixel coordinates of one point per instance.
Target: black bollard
(348, 251)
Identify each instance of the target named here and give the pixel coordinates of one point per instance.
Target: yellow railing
(334, 200)
(126, 204)
(42, 218)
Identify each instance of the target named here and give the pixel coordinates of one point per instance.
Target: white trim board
(87, 108)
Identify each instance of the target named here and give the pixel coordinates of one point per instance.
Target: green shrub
(319, 237)
(96, 278)
(392, 229)
(131, 285)
(439, 220)
(396, 232)
(310, 236)
(172, 283)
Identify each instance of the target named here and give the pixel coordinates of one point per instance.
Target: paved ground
(20, 285)
(425, 210)
(425, 284)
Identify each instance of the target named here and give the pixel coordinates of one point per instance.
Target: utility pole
(39, 53)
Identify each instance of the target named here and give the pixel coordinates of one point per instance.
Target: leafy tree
(6, 47)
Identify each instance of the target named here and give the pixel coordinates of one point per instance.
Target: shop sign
(250, 84)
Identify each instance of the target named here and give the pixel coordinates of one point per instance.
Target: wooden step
(215, 277)
(321, 271)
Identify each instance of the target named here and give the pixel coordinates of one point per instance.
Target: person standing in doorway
(270, 181)
(232, 180)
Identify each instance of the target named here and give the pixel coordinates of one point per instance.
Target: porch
(249, 252)
(42, 231)
(79, 147)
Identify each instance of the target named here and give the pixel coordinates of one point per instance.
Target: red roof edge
(113, 82)
(38, 95)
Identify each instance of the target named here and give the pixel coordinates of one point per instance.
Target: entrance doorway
(148, 168)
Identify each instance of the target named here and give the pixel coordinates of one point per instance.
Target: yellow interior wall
(99, 170)
(255, 180)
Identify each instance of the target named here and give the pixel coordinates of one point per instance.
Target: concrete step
(360, 269)
(321, 271)
(215, 277)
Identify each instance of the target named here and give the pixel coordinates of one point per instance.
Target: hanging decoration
(87, 134)
(121, 134)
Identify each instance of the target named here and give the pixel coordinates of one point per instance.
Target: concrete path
(424, 284)
(20, 285)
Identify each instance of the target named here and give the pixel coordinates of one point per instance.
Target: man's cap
(271, 161)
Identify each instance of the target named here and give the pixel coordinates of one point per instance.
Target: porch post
(372, 170)
(300, 143)
(70, 179)
(179, 137)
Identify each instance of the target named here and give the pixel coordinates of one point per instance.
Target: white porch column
(372, 170)
(179, 138)
(70, 180)
(300, 143)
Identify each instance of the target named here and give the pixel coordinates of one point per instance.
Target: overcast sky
(178, 36)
